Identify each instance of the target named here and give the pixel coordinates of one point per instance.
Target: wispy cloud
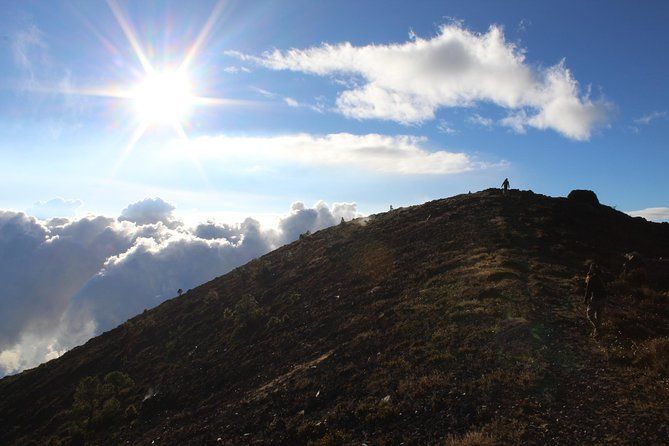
(26, 45)
(652, 116)
(29, 52)
(381, 153)
(233, 69)
(446, 127)
(407, 82)
(318, 107)
(480, 120)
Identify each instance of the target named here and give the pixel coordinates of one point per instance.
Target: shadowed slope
(461, 317)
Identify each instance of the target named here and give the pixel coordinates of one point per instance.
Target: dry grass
(654, 354)
(471, 438)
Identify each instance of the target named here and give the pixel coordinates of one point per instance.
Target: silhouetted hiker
(505, 185)
(180, 291)
(595, 298)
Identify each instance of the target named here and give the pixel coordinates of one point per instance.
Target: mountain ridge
(451, 321)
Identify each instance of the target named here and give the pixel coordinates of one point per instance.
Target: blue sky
(277, 142)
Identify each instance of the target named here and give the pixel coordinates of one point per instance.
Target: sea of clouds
(65, 280)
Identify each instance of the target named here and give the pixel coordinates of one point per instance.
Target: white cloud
(407, 82)
(232, 69)
(652, 214)
(64, 281)
(480, 120)
(446, 127)
(652, 116)
(381, 153)
(149, 211)
(516, 121)
(265, 93)
(56, 207)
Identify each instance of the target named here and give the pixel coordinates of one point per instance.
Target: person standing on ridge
(595, 298)
(505, 185)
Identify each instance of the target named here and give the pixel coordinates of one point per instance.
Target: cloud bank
(64, 281)
(390, 154)
(408, 82)
(658, 214)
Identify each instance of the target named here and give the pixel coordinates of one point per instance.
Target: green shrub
(247, 312)
(96, 403)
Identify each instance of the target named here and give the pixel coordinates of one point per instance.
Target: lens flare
(163, 98)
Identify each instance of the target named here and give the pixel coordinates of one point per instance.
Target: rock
(583, 196)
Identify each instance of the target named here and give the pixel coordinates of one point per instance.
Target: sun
(163, 98)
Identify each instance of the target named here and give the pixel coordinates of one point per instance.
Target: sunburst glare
(163, 98)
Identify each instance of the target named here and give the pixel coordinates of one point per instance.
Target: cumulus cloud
(408, 82)
(148, 211)
(658, 214)
(56, 207)
(392, 154)
(64, 281)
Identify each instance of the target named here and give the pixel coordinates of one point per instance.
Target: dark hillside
(459, 321)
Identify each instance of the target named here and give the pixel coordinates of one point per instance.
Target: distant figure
(595, 298)
(505, 185)
(180, 291)
(391, 207)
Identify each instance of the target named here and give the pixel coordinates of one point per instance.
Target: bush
(247, 314)
(97, 403)
(108, 414)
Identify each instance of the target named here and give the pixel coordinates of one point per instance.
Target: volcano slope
(459, 321)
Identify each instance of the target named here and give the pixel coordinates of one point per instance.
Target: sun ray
(108, 92)
(163, 97)
(136, 135)
(202, 36)
(204, 100)
(179, 129)
(91, 28)
(130, 35)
